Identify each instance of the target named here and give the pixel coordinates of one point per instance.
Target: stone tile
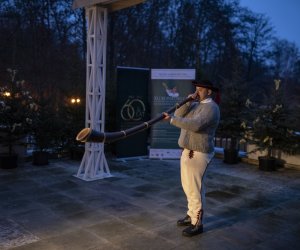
(88, 218)
(239, 235)
(101, 201)
(173, 194)
(68, 209)
(17, 206)
(146, 220)
(121, 208)
(278, 242)
(54, 199)
(8, 196)
(65, 185)
(113, 229)
(37, 193)
(208, 240)
(44, 224)
(138, 208)
(130, 182)
(76, 240)
(145, 240)
(13, 234)
(145, 201)
(173, 234)
(149, 188)
(128, 236)
(220, 196)
(268, 224)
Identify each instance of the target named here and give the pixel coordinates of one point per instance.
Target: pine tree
(272, 124)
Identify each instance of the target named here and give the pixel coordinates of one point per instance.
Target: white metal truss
(94, 165)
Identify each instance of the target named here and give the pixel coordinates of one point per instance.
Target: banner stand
(168, 86)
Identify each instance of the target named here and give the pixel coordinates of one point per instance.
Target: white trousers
(193, 170)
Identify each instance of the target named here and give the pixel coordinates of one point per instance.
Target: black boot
(186, 221)
(193, 230)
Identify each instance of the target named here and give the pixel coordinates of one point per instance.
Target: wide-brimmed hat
(205, 84)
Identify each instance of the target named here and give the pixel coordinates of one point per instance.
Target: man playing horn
(198, 122)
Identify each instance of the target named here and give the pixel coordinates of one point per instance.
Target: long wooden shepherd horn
(90, 135)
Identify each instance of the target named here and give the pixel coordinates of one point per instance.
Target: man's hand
(194, 95)
(167, 116)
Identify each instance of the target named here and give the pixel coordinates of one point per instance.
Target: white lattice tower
(94, 165)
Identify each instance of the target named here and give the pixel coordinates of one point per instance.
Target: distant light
(75, 100)
(6, 93)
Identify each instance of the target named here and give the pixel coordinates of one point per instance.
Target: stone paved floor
(47, 208)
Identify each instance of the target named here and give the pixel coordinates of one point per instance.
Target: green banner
(133, 108)
(168, 86)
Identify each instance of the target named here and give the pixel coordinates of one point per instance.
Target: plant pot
(40, 158)
(231, 156)
(267, 163)
(8, 161)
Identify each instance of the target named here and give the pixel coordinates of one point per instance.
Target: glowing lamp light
(75, 100)
(7, 94)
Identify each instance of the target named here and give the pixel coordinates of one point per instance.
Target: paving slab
(47, 208)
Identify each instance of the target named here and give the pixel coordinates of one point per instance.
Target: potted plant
(74, 113)
(232, 114)
(44, 131)
(16, 112)
(272, 127)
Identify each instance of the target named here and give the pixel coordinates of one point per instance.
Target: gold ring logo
(133, 110)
